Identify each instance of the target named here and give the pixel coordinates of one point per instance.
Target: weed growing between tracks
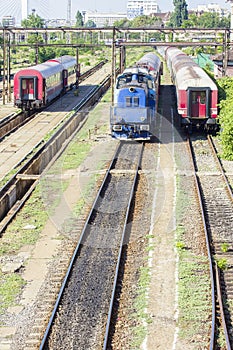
(194, 289)
(141, 316)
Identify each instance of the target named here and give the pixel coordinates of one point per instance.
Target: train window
(53, 80)
(24, 84)
(30, 84)
(194, 97)
(136, 101)
(140, 79)
(121, 82)
(128, 101)
(203, 98)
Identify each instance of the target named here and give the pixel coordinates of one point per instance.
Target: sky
(120, 5)
(58, 8)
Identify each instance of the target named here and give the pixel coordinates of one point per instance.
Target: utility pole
(231, 32)
(69, 12)
(4, 68)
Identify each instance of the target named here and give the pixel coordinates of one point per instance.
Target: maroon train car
(36, 86)
(197, 94)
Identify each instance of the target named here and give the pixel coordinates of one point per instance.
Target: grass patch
(225, 247)
(75, 155)
(194, 297)
(18, 234)
(141, 317)
(222, 263)
(194, 289)
(10, 287)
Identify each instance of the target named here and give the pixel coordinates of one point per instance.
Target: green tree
(180, 13)
(206, 20)
(146, 21)
(122, 23)
(226, 117)
(141, 21)
(212, 20)
(191, 22)
(33, 21)
(90, 24)
(79, 20)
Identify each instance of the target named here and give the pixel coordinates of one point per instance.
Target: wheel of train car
(179, 121)
(190, 129)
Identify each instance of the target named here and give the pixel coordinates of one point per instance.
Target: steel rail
(214, 151)
(120, 252)
(44, 342)
(220, 300)
(52, 317)
(197, 185)
(32, 169)
(14, 121)
(218, 289)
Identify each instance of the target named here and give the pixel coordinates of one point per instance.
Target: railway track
(216, 200)
(86, 298)
(19, 187)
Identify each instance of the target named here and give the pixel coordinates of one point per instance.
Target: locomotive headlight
(145, 127)
(143, 118)
(131, 89)
(117, 127)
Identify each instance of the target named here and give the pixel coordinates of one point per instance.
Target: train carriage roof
(150, 61)
(44, 69)
(188, 73)
(193, 77)
(67, 61)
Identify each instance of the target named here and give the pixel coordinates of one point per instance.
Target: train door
(28, 88)
(198, 104)
(65, 78)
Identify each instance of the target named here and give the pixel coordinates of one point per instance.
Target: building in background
(103, 19)
(137, 8)
(20, 9)
(8, 21)
(212, 8)
(219, 70)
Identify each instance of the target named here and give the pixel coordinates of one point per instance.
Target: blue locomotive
(136, 100)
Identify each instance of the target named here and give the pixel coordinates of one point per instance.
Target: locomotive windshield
(140, 78)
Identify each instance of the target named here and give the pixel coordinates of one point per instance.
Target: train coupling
(185, 121)
(211, 121)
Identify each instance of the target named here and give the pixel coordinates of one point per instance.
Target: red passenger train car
(197, 94)
(36, 86)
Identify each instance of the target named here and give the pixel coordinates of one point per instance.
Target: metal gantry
(16, 37)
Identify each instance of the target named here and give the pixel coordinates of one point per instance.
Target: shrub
(226, 118)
